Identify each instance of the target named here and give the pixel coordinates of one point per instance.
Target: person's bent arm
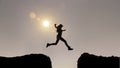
(55, 25)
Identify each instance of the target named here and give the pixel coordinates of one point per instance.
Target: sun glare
(46, 23)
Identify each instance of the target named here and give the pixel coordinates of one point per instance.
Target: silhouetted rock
(31, 60)
(92, 61)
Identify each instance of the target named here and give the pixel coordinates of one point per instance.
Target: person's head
(60, 26)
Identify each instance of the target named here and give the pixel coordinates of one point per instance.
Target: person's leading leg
(62, 39)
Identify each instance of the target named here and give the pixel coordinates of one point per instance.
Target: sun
(46, 23)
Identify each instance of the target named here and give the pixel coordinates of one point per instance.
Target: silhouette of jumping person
(59, 37)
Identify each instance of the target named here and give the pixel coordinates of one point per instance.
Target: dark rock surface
(31, 60)
(87, 60)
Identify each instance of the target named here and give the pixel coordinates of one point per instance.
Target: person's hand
(64, 30)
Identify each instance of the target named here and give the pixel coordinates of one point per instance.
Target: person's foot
(70, 48)
(47, 45)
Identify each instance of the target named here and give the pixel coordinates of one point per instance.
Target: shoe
(47, 45)
(70, 48)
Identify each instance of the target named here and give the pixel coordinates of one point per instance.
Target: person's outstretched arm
(64, 30)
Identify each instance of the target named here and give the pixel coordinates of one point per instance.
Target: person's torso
(59, 31)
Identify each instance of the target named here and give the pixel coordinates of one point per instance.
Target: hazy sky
(92, 26)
